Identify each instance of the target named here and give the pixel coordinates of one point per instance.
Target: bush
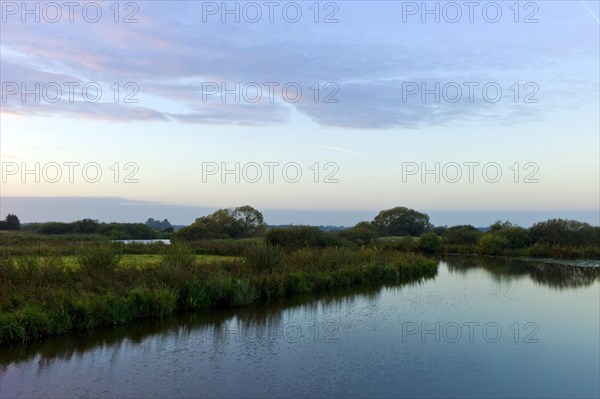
(493, 244)
(179, 255)
(98, 257)
(429, 243)
(560, 232)
(462, 235)
(360, 236)
(402, 244)
(301, 237)
(244, 293)
(264, 258)
(224, 247)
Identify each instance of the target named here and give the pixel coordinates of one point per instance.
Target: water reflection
(553, 275)
(215, 325)
(349, 344)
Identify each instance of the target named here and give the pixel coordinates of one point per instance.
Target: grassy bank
(54, 293)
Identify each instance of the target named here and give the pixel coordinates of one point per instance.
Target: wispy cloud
(590, 11)
(170, 53)
(340, 149)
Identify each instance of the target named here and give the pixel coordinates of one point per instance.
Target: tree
(220, 224)
(248, 222)
(517, 237)
(194, 232)
(157, 224)
(401, 221)
(462, 235)
(241, 222)
(85, 226)
(564, 232)
(11, 222)
(500, 225)
(439, 230)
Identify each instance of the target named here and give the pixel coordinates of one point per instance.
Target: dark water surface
(481, 328)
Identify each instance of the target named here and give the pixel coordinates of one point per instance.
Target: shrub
(493, 244)
(264, 258)
(359, 235)
(98, 257)
(429, 243)
(297, 237)
(564, 233)
(462, 235)
(244, 293)
(179, 255)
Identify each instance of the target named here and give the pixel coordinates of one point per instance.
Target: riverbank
(45, 295)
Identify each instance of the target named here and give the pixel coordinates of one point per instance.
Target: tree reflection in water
(553, 275)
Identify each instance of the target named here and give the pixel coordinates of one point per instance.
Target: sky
(313, 112)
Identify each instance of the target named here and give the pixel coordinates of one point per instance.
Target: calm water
(480, 328)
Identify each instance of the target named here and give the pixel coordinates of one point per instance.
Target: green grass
(55, 294)
(141, 261)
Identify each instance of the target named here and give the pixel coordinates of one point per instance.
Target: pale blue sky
(370, 54)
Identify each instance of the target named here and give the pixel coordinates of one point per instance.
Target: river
(480, 328)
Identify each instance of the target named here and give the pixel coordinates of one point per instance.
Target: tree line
(399, 227)
(414, 226)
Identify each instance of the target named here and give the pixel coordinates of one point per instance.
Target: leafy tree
(220, 224)
(401, 221)
(517, 237)
(194, 232)
(564, 232)
(157, 224)
(85, 226)
(500, 225)
(248, 222)
(366, 226)
(439, 230)
(241, 222)
(11, 222)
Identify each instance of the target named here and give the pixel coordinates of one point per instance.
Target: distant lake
(483, 327)
(166, 241)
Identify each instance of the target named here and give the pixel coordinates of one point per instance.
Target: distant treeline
(398, 228)
(114, 231)
(407, 230)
